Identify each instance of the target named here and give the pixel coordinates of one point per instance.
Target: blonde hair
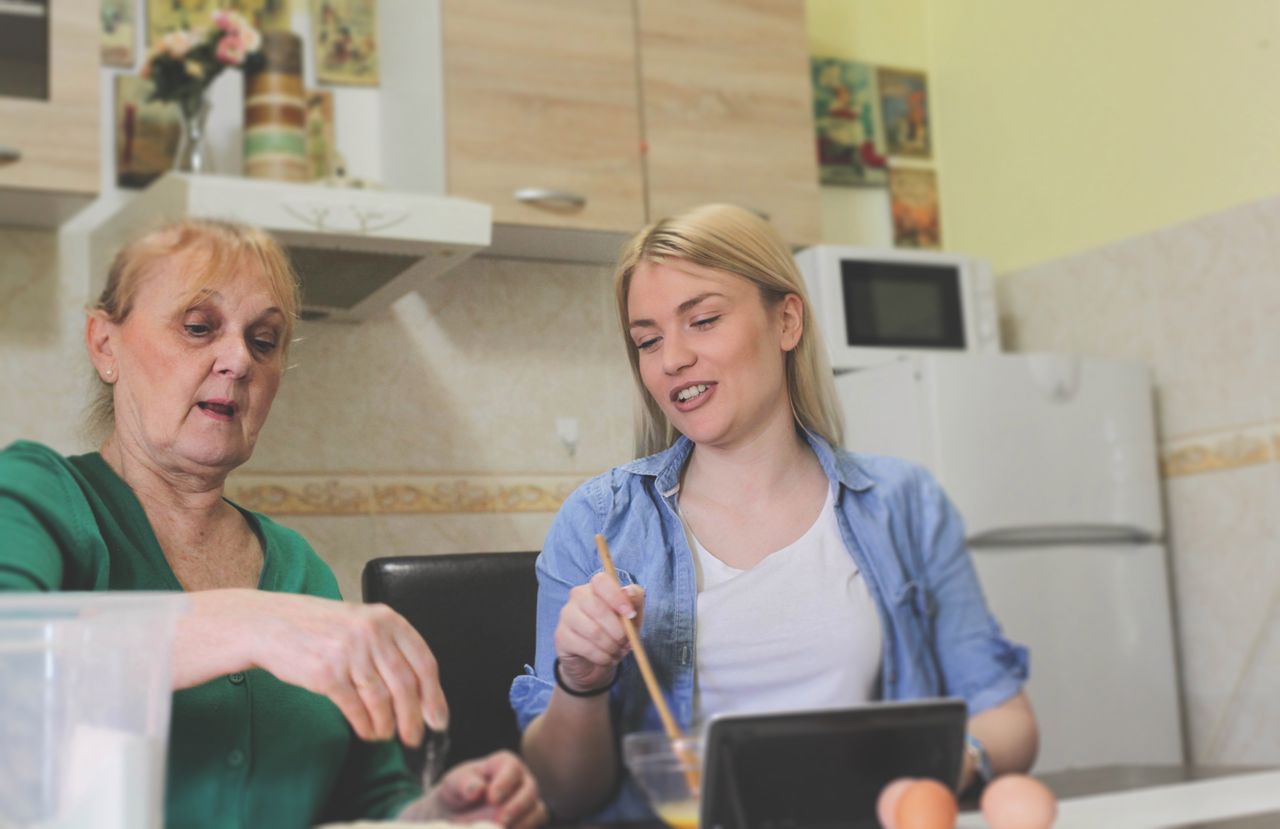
(223, 247)
(739, 242)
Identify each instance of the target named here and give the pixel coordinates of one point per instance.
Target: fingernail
(437, 719)
(627, 612)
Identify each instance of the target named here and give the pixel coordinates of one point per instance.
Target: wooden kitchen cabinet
(49, 122)
(728, 109)
(542, 115)
(561, 95)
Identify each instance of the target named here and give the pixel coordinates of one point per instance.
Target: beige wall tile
(1233, 397)
(1224, 533)
(1207, 323)
(468, 377)
(43, 367)
(1039, 309)
(1201, 303)
(1094, 304)
(1251, 732)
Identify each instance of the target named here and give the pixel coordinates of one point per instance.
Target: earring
(108, 372)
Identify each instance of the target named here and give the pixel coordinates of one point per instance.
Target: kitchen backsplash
(435, 430)
(1198, 302)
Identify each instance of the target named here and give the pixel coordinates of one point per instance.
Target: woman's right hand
(590, 640)
(366, 658)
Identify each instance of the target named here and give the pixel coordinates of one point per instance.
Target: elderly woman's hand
(497, 788)
(366, 658)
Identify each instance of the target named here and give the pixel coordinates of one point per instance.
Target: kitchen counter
(1141, 797)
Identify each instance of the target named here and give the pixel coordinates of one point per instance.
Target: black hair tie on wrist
(594, 692)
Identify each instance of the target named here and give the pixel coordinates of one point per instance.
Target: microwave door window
(902, 305)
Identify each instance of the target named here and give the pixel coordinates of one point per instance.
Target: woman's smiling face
(196, 374)
(711, 353)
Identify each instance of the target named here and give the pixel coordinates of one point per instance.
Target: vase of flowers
(183, 66)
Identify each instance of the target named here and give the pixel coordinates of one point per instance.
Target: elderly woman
(189, 340)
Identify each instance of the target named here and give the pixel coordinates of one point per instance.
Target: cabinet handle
(22, 9)
(543, 196)
(8, 155)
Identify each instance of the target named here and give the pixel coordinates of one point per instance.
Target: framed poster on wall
(164, 16)
(904, 104)
(846, 117)
(345, 38)
(913, 198)
(118, 23)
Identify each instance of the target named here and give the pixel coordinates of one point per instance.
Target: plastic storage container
(85, 693)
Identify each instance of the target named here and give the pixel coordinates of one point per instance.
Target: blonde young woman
(769, 568)
(285, 697)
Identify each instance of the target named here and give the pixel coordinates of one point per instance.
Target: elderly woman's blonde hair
(219, 249)
(738, 241)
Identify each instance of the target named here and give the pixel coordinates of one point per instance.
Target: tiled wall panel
(1199, 302)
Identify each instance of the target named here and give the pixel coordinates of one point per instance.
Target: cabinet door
(727, 109)
(543, 97)
(53, 131)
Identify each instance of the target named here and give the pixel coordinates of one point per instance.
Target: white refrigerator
(1051, 461)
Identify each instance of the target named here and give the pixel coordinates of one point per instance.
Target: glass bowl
(668, 772)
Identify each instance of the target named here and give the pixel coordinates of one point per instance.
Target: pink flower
(230, 51)
(222, 19)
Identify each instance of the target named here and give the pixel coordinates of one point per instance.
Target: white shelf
(356, 251)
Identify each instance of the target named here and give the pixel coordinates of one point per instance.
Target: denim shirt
(903, 533)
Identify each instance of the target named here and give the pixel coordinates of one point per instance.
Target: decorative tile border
(358, 494)
(1221, 450)
(347, 493)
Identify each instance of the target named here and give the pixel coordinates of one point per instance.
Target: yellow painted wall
(1066, 125)
(1062, 125)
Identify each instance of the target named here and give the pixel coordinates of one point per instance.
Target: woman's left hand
(497, 788)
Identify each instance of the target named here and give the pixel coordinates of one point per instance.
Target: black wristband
(594, 692)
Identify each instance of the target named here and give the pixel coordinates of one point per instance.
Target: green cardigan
(245, 750)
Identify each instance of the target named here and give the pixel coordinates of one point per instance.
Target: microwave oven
(874, 306)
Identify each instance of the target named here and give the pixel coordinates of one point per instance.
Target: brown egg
(887, 803)
(925, 804)
(1016, 801)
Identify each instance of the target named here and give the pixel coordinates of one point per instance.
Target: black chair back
(477, 612)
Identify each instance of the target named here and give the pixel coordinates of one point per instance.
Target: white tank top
(798, 630)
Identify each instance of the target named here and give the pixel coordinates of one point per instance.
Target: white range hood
(356, 251)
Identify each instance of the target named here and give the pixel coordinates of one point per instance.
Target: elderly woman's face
(196, 377)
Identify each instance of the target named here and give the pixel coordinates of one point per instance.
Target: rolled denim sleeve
(568, 559)
(977, 662)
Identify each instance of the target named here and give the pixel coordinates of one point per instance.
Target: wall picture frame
(322, 151)
(164, 16)
(345, 41)
(118, 32)
(846, 118)
(913, 200)
(904, 107)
